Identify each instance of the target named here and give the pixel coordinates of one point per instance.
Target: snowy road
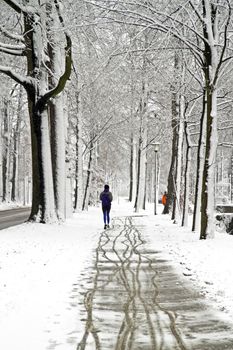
(13, 217)
(137, 301)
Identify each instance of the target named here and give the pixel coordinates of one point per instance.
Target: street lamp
(156, 149)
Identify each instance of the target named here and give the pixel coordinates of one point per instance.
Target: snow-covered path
(45, 273)
(135, 300)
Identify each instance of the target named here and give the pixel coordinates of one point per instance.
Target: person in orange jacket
(164, 198)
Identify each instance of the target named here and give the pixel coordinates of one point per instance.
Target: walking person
(106, 199)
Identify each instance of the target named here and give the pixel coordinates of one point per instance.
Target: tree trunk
(16, 148)
(131, 168)
(88, 180)
(47, 204)
(136, 205)
(1, 159)
(35, 165)
(39, 94)
(171, 176)
(145, 184)
(58, 155)
(187, 177)
(143, 171)
(43, 207)
(57, 118)
(210, 70)
(208, 184)
(134, 169)
(5, 156)
(78, 192)
(177, 208)
(200, 167)
(141, 168)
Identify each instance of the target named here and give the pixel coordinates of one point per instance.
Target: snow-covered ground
(10, 205)
(40, 266)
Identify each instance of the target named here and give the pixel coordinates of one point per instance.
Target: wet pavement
(135, 300)
(14, 216)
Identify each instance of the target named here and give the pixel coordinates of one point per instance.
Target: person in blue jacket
(106, 199)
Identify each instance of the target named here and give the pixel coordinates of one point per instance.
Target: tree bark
(210, 70)
(177, 207)
(200, 167)
(5, 156)
(131, 168)
(47, 210)
(1, 159)
(171, 175)
(57, 119)
(186, 176)
(16, 148)
(208, 185)
(136, 205)
(145, 185)
(141, 168)
(78, 192)
(88, 179)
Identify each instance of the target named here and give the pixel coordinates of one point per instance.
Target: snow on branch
(15, 76)
(224, 45)
(11, 35)
(138, 18)
(226, 144)
(16, 50)
(199, 15)
(13, 4)
(20, 8)
(226, 127)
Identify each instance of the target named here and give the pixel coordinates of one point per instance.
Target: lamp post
(156, 149)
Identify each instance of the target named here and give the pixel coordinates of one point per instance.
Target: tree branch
(16, 50)
(12, 52)
(26, 82)
(11, 35)
(68, 62)
(14, 5)
(199, 15)
(224, 46)
(20, 8)
(226, 144)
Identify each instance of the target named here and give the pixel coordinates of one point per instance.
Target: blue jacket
(106, 198)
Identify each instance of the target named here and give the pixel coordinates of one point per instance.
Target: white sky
(40, 266)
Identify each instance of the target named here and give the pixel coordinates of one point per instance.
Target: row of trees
(203, 29)
(140, 72)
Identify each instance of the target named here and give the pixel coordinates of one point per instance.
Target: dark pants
(106, 211)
